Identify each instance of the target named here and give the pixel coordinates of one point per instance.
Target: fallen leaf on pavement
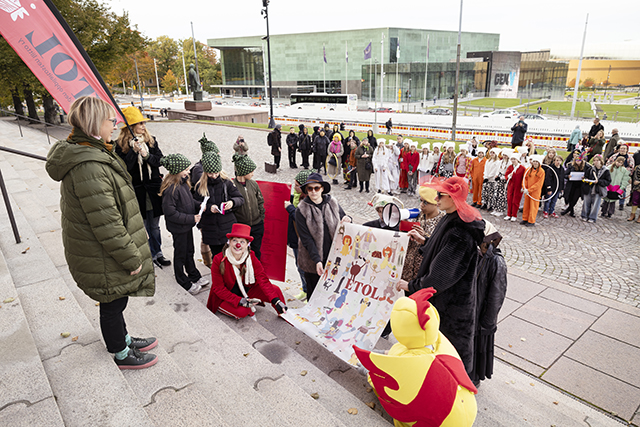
(531, 384)
(298, 342)
(8, 300)
(74, 339)
(371, 405)
(303, 373)
(65, 334)
(369, 389)
(523, 339)
(352, 411)
(510, 346)
(245, 354)
(555, 403)
(315, 396)
(61, 298)
(25, 251)
(97, 304)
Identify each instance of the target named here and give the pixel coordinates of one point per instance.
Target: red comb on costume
(422, 301)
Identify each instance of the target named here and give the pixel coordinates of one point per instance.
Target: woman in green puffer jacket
(104, 239)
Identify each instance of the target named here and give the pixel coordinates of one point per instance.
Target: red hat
(242, 231)
(458, 189)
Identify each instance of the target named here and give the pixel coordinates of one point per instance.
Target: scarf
(249, 276)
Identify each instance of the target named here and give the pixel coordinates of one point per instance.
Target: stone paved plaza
(601, 258)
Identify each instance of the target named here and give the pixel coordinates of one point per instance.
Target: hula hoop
(338, 165)
(540, 200)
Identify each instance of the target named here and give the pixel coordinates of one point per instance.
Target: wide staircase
(55, 370)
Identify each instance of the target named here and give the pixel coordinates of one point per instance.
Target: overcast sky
(523, 26)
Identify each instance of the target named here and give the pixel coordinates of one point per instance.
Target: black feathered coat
(215, 226)
(491, 289)
(449, 263)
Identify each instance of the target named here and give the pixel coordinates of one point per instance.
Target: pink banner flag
(44, 41)
(276, 223)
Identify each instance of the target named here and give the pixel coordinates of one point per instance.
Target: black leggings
(312, 280)
(112, 324)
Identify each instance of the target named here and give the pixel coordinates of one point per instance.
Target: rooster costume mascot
(421, 382)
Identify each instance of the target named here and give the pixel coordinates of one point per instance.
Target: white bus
(324, 101)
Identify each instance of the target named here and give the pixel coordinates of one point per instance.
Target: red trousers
(514, 195)
(240, 312)
(404, 181)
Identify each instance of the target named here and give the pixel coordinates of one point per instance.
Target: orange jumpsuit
(533, 181)
(477, 176)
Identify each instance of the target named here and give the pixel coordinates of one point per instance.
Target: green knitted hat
(211, 162)
(206, 145)
(303, 175)
(175, 163)
(244, 164)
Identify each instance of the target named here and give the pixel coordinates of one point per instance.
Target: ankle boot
(361, 186)
(207, 259)
(632, 216)
(366, 184)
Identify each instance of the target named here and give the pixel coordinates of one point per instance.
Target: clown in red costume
(238, 280)
(421, 382)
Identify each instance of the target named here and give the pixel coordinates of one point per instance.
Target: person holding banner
(102, 230)
(449, 262)
(317, 220)
(238, 280)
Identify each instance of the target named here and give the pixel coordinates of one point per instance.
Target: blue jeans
(590, 206)
(302, 279)
(151, 224)
(622, 199)
(550, 205)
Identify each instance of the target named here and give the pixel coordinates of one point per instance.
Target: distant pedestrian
(304, 145)
(539, 110)
(275, 142)
(320, 146)
(240, 146)
(292, 147)
(574, 139)
(389, 125)
(519, 130)
(597, 127)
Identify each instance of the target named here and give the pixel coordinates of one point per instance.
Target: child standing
(514, 174)
(619, 179)
(532, 186)
(553, 182)
(412, 160)
(477, 176)
(425, 165)
(444, 167)
(180, 212)
(251, 212)
(462, 164)
(491, 169)
(501, 184)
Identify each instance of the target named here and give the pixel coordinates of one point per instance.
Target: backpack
(269, 139)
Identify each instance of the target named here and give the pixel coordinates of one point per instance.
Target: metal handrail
(30, 119)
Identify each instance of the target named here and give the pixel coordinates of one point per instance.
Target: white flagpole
(395, 94)
(370, 67)
(157, 81)
(324, 68)
(426, 68)
(575, 89)
(346, 68)
(382, 70)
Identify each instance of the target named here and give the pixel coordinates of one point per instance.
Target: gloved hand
(243, 303)
(279, 305)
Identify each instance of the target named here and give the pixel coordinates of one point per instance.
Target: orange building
(623, 72)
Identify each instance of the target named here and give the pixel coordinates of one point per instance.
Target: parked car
(506, 113)
(534, 117)
(440, 112)
(385, 110)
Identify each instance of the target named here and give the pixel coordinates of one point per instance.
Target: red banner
(276, 223)
(44, 41)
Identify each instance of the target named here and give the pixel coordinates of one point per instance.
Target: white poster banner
(352, 302)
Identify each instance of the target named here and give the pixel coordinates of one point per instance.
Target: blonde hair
(201, 186)
(448, 157)
(125, 137)
(87, 114)
(171, 180)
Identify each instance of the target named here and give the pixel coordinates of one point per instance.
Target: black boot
(366, 184)
(361, 186)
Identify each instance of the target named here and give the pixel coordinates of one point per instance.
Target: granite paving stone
(619, 325)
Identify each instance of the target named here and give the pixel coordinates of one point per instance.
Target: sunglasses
(313, 189)
(114, 121)
(441, 195)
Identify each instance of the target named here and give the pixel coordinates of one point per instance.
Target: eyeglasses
(423, 202)
(441, 195)
(114, 121)
(313, 189)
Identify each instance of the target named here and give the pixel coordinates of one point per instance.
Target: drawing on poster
(353, 299)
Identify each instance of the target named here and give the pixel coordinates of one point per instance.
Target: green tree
(165, 50)
(588, 82)
(208, 64)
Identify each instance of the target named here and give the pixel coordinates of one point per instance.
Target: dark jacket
(596, 145)
(275, 140)
(320, 146)
(491, 291)
(573, 189)
(604, 179)
(611, 145)
(292, 141)
(179, 208)
(304, 142)
(216, 226)
(146, 178)
(553, 180)
(328, 133)
(518, 133)
(377, 223)
(102, 229)
(292, 235)
(449, 262)
(251, 212)
(373, 142)
(389, 124)
(364, 174)
(595, 129)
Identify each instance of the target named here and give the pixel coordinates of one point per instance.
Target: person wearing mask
(317, 219)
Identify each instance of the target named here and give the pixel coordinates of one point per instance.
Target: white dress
(394, 168)
(424, 167)
(380, 162)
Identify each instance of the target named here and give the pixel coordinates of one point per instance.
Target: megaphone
(392, 214)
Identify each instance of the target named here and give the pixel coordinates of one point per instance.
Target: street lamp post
(455, 95)
(265, 12)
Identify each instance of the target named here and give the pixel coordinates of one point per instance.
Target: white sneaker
(507, 218)
(513, 218)
(202, 282)
(195, 289)
(497, 213)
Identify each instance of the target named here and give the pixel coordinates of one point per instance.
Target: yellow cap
(133, 116)
(428, 194)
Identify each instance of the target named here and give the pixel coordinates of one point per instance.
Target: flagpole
(324, 68)
(157, 81)
(370, 67)
(575, 89)
(346, 67)
(195, 54)
(426, 66)
(382, 70)
(139, 86)
(397, 59)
